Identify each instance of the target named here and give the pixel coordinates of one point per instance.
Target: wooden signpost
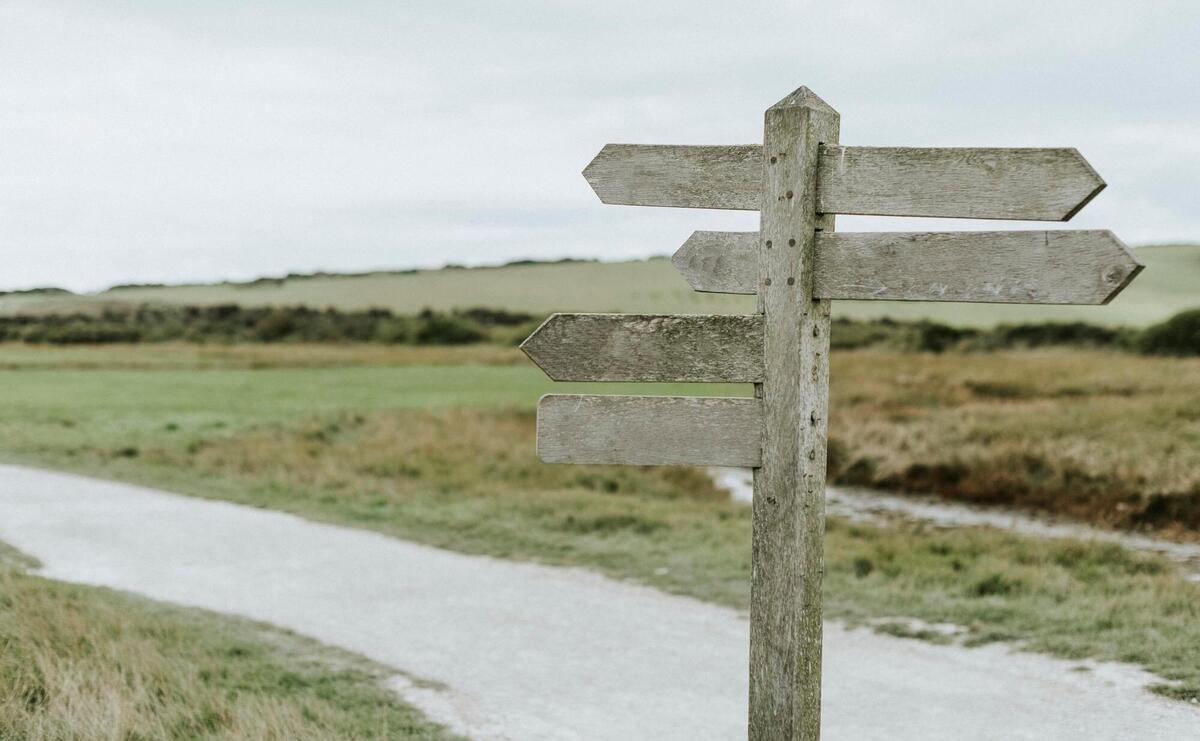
(797, 179)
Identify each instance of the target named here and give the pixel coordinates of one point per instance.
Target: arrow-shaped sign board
(1038, 267)
(638, 347)
(798, 179)
(968, 183)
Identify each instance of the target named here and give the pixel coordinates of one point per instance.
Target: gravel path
(525, 652)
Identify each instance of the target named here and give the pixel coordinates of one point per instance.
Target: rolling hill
(1170, 283)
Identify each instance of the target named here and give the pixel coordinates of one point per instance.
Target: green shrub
(848, 334)
(496, 317)
(934, 337)
(1078, 334)
(227, 323)
(81, 332)
(275, 326)
(1179, 335)
(443, 329)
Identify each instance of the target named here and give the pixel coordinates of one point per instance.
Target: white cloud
(150, 141)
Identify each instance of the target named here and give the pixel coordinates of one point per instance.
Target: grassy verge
(443, 454)
(87, 663)
(467, 480)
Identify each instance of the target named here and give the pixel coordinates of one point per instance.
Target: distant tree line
(43, 291)
(229, 323)
(281, 280)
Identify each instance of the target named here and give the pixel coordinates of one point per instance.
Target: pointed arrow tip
(685, 249)
(533, 345)
(592, 172)
(1090, 184)
(1126, 267)
(679, 259)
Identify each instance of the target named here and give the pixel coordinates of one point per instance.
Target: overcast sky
(152, 141)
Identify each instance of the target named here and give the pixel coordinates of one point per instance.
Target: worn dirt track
(524, 652)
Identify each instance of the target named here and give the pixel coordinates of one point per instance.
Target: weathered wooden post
(789, 487)
(798, 179)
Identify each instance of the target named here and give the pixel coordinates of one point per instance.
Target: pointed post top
(802, 97)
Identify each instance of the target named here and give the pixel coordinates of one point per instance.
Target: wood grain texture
(789, 486)
(649, 430)
(1027, 267)
(639, 347)
(1034, 267)
(969, 183)
(972, 183)
(719, 262)
(683, 176)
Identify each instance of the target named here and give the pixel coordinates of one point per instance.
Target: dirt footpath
(502, 650)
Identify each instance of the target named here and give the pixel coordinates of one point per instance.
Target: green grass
(443, 454)
(82, 662)
(1071, 599)
(1167, 286)
(50, 416)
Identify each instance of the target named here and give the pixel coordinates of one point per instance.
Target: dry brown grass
(468, 480)
(91, 664)
(1105, 437)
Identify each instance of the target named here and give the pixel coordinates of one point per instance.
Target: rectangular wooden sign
(966, 183)
(650, 430)
(972, 183)
(1026, 267)
(640, 347)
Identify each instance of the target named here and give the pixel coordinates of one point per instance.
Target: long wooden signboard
(1032, 184)
(798, 178)
(1042, 267)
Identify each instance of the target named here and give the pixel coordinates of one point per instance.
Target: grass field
(1106, 437)
(1168, 285)
(87, 663)
(443, 454)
